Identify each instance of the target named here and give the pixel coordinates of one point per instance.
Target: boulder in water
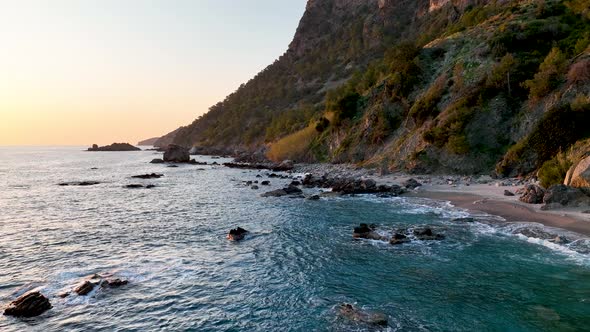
(157, 161)
(237, 234)
(85, 288)
(365, 231)
(176, 154)
(426, 234)
(398, 238)
(28, 305)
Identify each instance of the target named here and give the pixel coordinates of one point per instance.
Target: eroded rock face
(28, 305)
(532, 194)
(176, 154)
(579, 174)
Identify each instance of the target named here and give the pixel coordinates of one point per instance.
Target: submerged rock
(237, 234)
(79, 183)
(28, 305)
(148, 176)
(353, 313)
(157, 161)
(466, 219)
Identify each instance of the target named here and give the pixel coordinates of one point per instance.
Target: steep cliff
(464, 86)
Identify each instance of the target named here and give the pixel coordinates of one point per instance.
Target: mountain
(460, 86)
(148, 142)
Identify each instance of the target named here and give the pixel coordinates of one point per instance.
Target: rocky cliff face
(462, 86)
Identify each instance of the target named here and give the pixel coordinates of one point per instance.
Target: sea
(295, 268)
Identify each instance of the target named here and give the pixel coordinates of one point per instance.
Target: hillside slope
(467, 86)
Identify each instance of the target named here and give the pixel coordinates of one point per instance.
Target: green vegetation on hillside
(493, 85)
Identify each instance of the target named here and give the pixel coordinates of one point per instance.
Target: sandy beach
(467, 192)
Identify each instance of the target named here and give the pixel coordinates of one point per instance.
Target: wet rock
(314, 197)
(194, 162)
(176, 154)
(411, 184)
(80, 183)
(508, 193)
(365, 231)
(134, 186)
(157, 161)
(255, 187)
(113, 283)
(265, 183)
(467, 219)
(295, 183)
(172, 166)
(533, 194)
(398, 238)
(28, 305)
(150, 186)
(237, 234)
(353, 313)
(148, 176)
(85, 288)
(426, 234)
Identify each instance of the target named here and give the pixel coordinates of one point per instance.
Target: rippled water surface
(299, 263)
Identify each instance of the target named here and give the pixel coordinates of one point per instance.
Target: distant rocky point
(114, 147)
(148, 142)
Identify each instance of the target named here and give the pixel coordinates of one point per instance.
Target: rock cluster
(532, 194)
(289, 190)
(351, 185)
(399, 236)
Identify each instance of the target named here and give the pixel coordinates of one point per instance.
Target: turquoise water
(298, 264)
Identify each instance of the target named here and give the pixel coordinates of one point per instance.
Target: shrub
(294, 146)
(426, 105)
(548, 76)
(553, 171)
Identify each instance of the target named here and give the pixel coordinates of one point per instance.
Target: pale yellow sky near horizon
(79, 72)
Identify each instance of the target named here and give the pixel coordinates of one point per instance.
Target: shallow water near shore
(296, 266)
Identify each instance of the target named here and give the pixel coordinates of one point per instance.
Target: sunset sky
(77, 72)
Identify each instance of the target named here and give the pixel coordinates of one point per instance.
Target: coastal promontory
(114, 147)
